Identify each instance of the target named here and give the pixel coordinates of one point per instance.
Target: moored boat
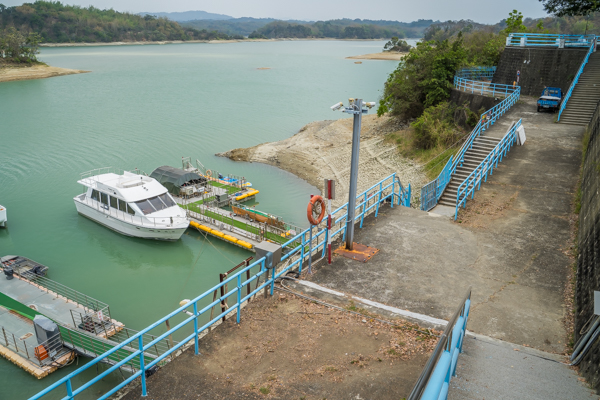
(132, 204)
(23, 266)
(3, 217)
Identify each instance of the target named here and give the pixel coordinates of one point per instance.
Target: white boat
(131, 204)
(3, 217)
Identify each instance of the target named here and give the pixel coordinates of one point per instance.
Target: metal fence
(244, 287)
(434, 381)
(431, 192)
(54, 346)
(576, 79)
(548, 39)
(480, 173)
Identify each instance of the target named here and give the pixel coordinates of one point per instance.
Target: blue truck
(550, 99)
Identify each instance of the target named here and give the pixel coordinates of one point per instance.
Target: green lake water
(143, 107)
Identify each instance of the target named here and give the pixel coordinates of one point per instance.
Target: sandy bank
(10, 73)
(380, 56)
(322, 149)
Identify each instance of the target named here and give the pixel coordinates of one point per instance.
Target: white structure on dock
(131, 204)
(3, 217)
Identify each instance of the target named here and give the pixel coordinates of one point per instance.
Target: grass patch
(434, 159)
(264, 390)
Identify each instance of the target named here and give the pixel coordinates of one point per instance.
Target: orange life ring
(312, 210)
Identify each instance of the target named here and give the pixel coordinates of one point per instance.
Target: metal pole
(353, 173)
(310, 240)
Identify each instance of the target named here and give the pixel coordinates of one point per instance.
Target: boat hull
(129, 229)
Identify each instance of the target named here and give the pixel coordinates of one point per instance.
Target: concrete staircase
(482, 146)
(585, 96)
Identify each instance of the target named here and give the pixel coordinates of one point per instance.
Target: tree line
(59, 23)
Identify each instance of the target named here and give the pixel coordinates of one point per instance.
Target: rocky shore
(322, 149)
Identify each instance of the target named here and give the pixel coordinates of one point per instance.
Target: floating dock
(84, 323)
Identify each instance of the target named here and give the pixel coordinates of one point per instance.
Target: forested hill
(342, 29)
(58, 23)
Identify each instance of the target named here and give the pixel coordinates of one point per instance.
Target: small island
(394, 50)
(18, 58)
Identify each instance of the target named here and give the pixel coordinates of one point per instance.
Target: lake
(143, 107)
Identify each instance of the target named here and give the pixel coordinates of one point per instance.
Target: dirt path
(8, 74)
(290, 348)
(322, 150)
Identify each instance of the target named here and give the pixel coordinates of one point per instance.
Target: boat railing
(61, 291)
(94, 173)
(54, 348)
(145, 221)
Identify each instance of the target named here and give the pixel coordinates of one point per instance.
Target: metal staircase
(586, 94)
(482, 146)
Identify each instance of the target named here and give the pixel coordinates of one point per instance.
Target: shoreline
(321, 150)
(385, 56)
(203, 41)
(40, 71)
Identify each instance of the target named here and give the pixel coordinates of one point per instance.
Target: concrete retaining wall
(588, 262)
(548, 67)
(476, 102)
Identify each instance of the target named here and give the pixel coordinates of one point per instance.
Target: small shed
(174, 178)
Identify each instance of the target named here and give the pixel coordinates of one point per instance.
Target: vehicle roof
(129, 187)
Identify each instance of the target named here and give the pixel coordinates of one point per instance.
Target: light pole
(355, 107)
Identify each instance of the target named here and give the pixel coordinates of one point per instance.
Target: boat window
(145, 206)
(130, 210)
(104, 198)
(122, 206)
(167, 200)
(114, 202)
(158, 205)
(95, 195)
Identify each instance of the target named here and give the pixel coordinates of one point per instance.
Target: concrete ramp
(493, 369)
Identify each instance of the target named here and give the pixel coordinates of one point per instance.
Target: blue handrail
(431, 192)
(473, 181)
(434, 381)
(576, 79)
(367, 202)
(548, 39)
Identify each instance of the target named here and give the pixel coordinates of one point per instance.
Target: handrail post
(196, 345)
(239, 296)
(142, 367)
(69, 389)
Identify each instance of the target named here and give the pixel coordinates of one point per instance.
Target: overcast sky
(485, 11)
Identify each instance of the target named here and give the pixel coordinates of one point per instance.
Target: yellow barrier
(250, 193)
(221, 235)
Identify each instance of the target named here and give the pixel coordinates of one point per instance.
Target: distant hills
(340, 28)
(58, 23)
(188, 15)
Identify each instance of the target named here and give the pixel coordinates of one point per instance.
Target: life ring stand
(209, 173)
(312, 210)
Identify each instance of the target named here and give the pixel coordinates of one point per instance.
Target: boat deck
(18, 343)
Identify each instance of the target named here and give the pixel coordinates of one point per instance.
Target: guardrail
(548, 39)
(473, 181)
(483, 87)
(434, 381)
(576, 79)
(431, 192)
(387, 190)
(478, 73)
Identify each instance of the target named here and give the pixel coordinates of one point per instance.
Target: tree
(514, 23)
(396, 44)
(562, 8)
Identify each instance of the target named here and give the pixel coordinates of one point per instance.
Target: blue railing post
(379, 198)
(239, 297)
(142, 366)
(196, 345)
(69, 389)
(301, 255)
(393, 192)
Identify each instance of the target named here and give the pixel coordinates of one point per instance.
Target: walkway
(490, 369)
(512, 245)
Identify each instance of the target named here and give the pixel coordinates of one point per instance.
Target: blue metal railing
(434, 381)
(482, 87)
(477, 73)
(388, 189)
(480, 173)
(576, 79)
(431, 192)
(548, 39)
